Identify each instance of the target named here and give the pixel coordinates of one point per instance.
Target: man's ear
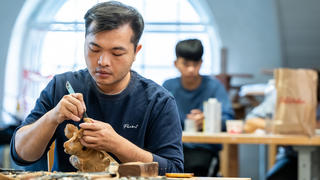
(138, 48)
(176, 63)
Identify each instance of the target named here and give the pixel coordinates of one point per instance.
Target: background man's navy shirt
(144, 113)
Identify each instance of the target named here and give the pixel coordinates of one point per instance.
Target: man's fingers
(86, 144)
(76, 102)
(198, 122)
(89, 133)
(196, 117)
(69, 107)
(195, 111)
(70, 115)
(94, 121)
(200, 117)
(89, 126)
(89, 139)
(79, 96)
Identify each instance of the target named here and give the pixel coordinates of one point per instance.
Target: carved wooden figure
(82, 158)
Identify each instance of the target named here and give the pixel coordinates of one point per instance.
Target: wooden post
(272, 153)
(224, 61)
(229, 160)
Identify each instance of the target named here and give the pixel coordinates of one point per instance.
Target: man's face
(189, 69)
(109, 56)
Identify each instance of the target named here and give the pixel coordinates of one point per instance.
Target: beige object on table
(296, 103)
(253, 124)
(138, 169)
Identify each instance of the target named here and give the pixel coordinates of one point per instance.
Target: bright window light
(54, 40)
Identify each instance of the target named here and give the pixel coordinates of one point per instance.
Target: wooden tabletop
(220, 138)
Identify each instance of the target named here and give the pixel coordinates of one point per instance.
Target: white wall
(266, 34)
(249, 29)
(300, 27)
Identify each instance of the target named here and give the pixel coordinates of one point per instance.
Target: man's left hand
(99, 135)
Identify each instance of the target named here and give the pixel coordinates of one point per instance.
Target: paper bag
(296, 101)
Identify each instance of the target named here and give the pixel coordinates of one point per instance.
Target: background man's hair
(111, 15)
(189, 49)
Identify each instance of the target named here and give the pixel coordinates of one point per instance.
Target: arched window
(53, 40)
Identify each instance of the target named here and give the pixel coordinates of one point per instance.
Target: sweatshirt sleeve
(165, 137)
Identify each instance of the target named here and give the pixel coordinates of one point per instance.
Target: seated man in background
(190, 91)
(286, 166)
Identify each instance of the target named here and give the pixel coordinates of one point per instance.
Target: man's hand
(39, 133)
(70, 106)
(198, 117)
(99, 135)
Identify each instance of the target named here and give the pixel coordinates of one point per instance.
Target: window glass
(62, 51)
(73, 10)
(170, 11)
(62, 48)
(54, 41)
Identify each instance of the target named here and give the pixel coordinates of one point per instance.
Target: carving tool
(71, 91)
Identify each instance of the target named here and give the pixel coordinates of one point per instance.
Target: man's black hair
(190, 49)
(111, 15)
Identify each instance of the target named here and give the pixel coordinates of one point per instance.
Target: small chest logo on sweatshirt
(128, 126)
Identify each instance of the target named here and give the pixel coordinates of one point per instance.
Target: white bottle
(212, 113)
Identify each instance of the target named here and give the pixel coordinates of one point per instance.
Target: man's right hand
(71, 107)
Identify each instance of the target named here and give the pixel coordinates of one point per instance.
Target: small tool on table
(71, 91)
(179, 175)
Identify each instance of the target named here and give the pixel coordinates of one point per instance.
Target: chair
(50, 156)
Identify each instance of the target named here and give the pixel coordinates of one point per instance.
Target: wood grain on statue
(138, 169)
(82, 158)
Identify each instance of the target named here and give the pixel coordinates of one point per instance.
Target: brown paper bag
(296, 101)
